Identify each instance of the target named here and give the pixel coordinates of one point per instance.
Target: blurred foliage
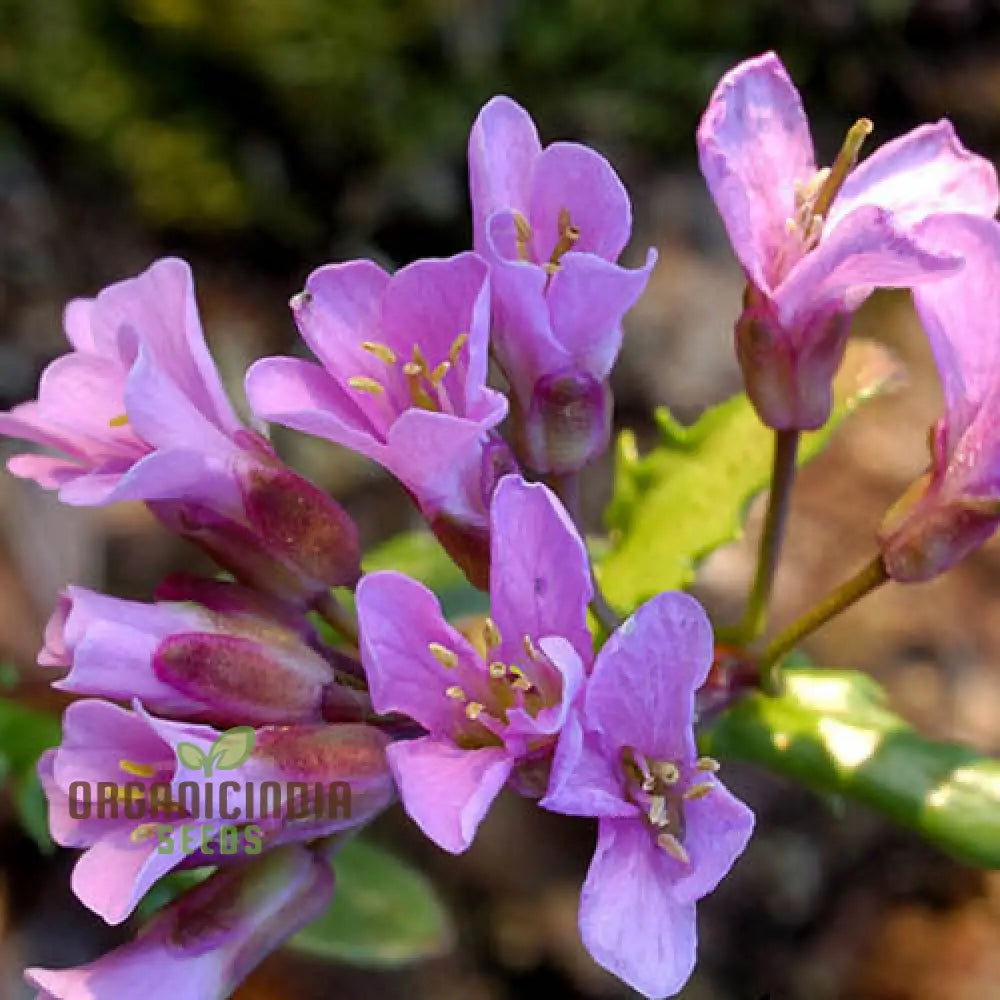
(290, 121)
(688, 495)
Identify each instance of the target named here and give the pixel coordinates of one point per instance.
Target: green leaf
(418, 554)
(384, 913)
(24, 735)
(688, 495)
(232, 748)
(831, 730)
(191, 756)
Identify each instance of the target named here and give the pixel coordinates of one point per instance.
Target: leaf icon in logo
(190, 756)
(232, 748)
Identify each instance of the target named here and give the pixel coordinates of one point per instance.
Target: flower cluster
(233, 673)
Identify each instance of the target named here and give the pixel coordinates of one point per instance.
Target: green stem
(786, 445)
(864, 582)
(567, 488)
(338, 618)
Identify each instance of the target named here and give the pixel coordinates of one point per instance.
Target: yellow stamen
(523, 235)
(142, 832)
(418, 357)
(498, 670)
(669, 843)
(698, 791)
(473, 710)
(445, 656)
(459, 342)
(365, 384)
(439, 373)
(568, 235)
(842, 165)
(520, 682)
(418, 394)
(491, 633)
(138, 770)
(708, 764)
(455, 693)
(120, 421)
(532, 651)
(381, 351)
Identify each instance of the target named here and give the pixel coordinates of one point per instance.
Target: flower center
(661, 789)
(424, 384)
(567, 237)
(490, 690)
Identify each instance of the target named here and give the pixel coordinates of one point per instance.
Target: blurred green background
(262, 138)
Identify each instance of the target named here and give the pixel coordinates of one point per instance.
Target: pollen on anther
(445, 656)
(498, 670)
(473, 710)
(455, 693)
(365, 384)
(669, 843)
(138, 770)
(707, 764)
(381, 351)
(491, 634)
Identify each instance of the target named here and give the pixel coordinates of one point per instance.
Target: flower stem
(338, 618)
(786, 445)
(567, 488)
(850, 592)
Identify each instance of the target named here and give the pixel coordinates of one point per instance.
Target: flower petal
(753, 145)
(540, 581)
(918, 175)
(445, 790)
(641, 693)
(629, 919)
(503, 147)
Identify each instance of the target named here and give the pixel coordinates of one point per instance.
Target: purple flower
(815, 243)
(668, 831)
(137, 412)
(234, 662)
(955, 506)
(492, 712)
(552, 223)
(402, 380)
(204, 943)
(117, 788)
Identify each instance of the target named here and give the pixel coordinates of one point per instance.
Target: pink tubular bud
(568, 423)
(789, 379)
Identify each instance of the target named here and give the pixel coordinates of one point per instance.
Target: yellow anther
(665, 771)
(473, 710)
(498, 670)
(520, 682)
(120, 421)
(708, 764)
(418, 357)
(445, 656)
(532, 651)
(491, 633)
(365, 384)
(439, 373)
(455, 693)
(669, 843)
(842, 165)
(698, 791)
(139, 770)
(568, 235)
(142, 832)
(381, 351)
(456, 347)
(411, 369)
(420, 397)
(523, 235)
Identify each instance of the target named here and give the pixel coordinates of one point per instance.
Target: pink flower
(491, 715)
(814, 244)
(402, 380)
(204, 943)
(668, 832)
(552, 223)
(955, 506)
(137, 412)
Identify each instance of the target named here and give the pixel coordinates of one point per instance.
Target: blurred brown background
(261, 138)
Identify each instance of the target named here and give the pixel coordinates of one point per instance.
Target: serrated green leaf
(384, 913)
(688, 496)
(418, 554)
(191, 756)
(232, 748)
(831, 731)
(24, 735)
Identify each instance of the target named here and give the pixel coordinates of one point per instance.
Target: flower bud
(568, 423)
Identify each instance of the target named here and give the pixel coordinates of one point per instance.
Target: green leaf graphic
(190, 756)
(232, 748)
